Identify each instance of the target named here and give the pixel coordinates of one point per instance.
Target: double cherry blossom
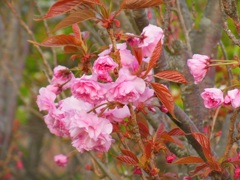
(84, 117)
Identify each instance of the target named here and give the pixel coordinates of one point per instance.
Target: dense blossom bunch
(85, 117)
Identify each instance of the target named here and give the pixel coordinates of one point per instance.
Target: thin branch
(184, 28)
(230, 74)
(48, 32)
(104, 169)
(30, 33)
(230, 134)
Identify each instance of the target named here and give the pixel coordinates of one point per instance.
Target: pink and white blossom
(127, 59)
(45, 99)
(152, 35)
(59, 120)
(102, 67)
(62, 76)
(233, 98)
(88, 89)
(61, 160)
(213, 97)
(198, 66)
(127, 88)
(90, 132)
(115, 115)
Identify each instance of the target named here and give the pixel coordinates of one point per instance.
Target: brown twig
(230, 74)
(104, 169)
(48, 32)
(230, 134)
(30, 33)
(184, 27)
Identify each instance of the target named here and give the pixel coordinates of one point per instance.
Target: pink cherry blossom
(152, 34)
(61, 160)
(237, 173)
(127, 59)
(90, 132)
(58, 120)
(233, 97)
(57, 124)
(45, 99)
(62, 76)
(116, 114)
(88, 89)
(102, 66)
(198, 66)
(127, 88)
(145, 98)
(213, 97)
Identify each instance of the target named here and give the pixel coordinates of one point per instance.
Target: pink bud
(19, 164)
(170, 158)
(61, 160)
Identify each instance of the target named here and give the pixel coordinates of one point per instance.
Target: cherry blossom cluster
(101, 98)
(213, 97)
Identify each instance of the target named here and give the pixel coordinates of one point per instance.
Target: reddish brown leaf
(199, 168)
(202, 140)
(164, 96)
(189, 160)
(177, 132)
(144, 131)
(127, 160)
(70, 49)
(129, 154)
(154, 58)
(159, 131)
(77, 31)
(166, 137)
(171, 75)
(64, 6)
(59, 40)
(60, 7)
(138, 4)
(138, 54)
(148, 151)
(75, 17)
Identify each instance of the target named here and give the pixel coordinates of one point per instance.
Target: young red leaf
(189, 160)
(154, 58)
(77, 31)
(70, 49)
(75, 17)
(60, 7)
(59, 40)
(138, 4)
(144, 131)
(64, 6)
(202, 140)
(127, 160)
(166, 137)
(177, 132)
(130, 154)
(199, 168)
(138, 54)
(158, 132)
(171, 75)
(164, 96)
(148, 151)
